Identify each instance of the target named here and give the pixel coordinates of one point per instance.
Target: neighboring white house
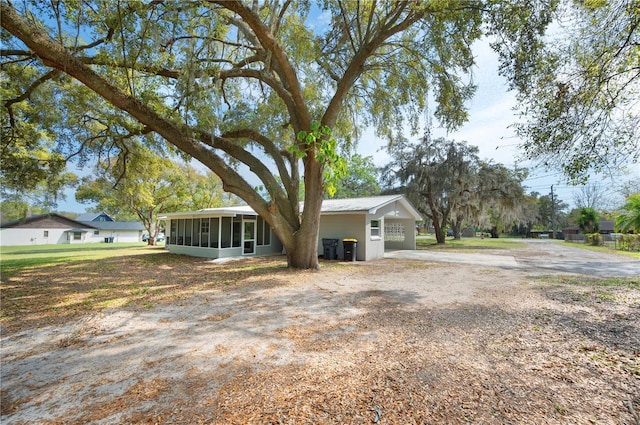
(377, 223)
(109, 230)
(52, 228)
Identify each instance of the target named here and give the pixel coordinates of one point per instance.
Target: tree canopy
(234, 84)
(437, 175)
(151, 185)
(588, 221)
(361, 178)
(449, 184)
(580, 100)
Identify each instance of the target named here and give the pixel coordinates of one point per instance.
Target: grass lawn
(54, 283)
(607, 250)
(16, 258)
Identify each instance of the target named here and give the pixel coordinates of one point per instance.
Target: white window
(375, 229)
(77, 236)
(46, 233)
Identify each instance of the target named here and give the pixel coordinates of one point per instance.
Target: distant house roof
(605, 226)
(46, 221)
(94, 217)
(329, 206)
(115, 225)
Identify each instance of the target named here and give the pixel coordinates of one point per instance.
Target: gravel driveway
(540, 257)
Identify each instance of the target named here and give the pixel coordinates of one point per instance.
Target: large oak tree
(264, 88)
(439, 176)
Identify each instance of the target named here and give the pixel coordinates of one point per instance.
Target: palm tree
(588, 221)
(629, 220)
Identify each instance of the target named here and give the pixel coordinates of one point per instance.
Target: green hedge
(629, 242)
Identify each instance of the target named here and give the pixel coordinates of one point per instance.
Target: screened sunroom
(220, 233)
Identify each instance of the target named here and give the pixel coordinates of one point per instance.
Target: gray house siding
(374, 240)
(396, 218)
(409, 231)
(341, 226)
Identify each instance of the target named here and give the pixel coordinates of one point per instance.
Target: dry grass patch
(36, 296)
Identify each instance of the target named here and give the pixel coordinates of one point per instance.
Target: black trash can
(330, 249)
(350, 249)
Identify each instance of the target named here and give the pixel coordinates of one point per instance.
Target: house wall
(358, 226)
(21, 236)
(409, 242)
(396, 213)
(374, 244)
(341, 226)
(122, 236)
(197, 251)
(337, 225)
(30, 236)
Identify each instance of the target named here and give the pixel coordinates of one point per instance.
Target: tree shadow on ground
(262, 346)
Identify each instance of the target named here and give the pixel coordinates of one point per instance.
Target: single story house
(573, 233)
(53, 228)
(377, 223)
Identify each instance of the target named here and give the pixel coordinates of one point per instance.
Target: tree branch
(270, 148)
(298, 110)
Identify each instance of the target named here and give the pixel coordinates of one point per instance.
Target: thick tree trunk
(435, 218)
(300, 239)
(303, 251)
(440, 236)
(437, 228)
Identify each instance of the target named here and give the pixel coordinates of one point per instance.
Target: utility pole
(553, 215)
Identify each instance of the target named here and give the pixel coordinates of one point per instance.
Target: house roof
(605, 226)
(47, 220)
(92, 216)
(329, 206)
(369, 205)
(115, 225)
(220, 212)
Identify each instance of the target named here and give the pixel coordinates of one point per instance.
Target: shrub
(595, 239)
(629, 242)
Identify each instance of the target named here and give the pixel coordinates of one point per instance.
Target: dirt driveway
(391, 341)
